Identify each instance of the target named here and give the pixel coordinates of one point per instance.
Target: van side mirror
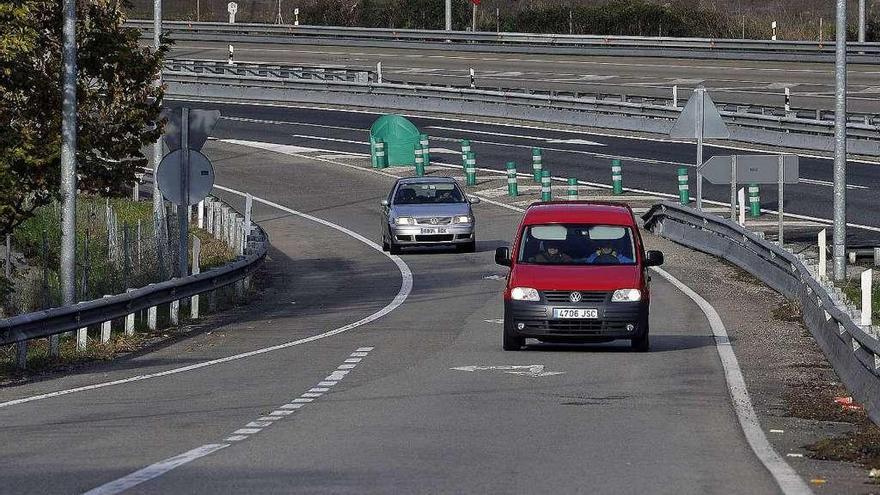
(502, 256)
(653, 258)
(384, 202)
(473, 200)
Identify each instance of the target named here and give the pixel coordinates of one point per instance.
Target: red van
(578, 273)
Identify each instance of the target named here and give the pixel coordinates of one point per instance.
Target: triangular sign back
(713, 126)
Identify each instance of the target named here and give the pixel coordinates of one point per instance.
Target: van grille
(563, 296)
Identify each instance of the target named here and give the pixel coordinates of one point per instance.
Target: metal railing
(734, 49)
(55, 321)
(763, 125)
(853, 350)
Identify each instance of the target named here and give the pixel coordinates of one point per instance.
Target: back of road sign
(201, 123)
(201, 176)
(686, 125)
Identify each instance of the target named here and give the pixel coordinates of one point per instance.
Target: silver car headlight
(462, 219)
(626, 295)
(405, 221)
(524, 294)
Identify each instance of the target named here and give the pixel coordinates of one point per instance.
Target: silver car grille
(434, 221)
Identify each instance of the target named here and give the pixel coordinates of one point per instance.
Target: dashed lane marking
(156, 470)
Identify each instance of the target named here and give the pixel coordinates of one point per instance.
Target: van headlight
(626, 295)
(405, 221)
(462, 219)
(524, 294)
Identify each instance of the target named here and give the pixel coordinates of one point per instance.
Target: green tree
(118, 103)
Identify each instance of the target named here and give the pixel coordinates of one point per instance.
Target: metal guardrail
(734, 49)
(85, 314)
(630, 113)
(853, 350)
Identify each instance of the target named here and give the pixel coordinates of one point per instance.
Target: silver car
(423, 211)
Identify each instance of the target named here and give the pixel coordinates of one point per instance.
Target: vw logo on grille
(434, 221)
(575, 297)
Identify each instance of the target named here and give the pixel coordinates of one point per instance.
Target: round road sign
(201, 176)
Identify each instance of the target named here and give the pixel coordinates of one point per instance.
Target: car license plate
(433, 231)
(580, 314)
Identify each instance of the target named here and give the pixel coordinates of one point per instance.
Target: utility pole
(449, 15)
(157, 148)
(862, 14)
(840, 148)
(68, 166)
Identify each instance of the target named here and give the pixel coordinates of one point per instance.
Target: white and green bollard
(616, 177)
(471, 169)
(426, 150)
(754, 201)
(380, 157)
(537, 163)
(546, 191)
(512, 187)
(684, 195)
(465, 149)
(572, 188)
(420, 162)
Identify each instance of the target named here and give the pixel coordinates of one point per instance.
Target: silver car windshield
(421, 193)
(568, 244)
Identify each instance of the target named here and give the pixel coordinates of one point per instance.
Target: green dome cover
(400, 137)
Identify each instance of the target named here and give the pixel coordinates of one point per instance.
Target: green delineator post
(572, 188)
(546, 191)
(426, 151)
(754, 201)
(373, 161)
(465, 149)
(616, 177)
(420, 163)
(471, 169)
(684, 195)
(381, 156)
(512, 188)
(537, 163)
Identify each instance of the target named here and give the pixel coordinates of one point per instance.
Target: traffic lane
(79, 441)
(615, 422)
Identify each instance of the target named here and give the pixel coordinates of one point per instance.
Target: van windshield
(577, 244)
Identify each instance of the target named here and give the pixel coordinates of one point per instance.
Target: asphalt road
(647, 164)
(401, 420)
(760, 83)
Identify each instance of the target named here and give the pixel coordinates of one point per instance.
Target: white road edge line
(405, 289)
(786, 477)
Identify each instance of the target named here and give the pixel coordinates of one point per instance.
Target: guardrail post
(151, 317)
(616, 177)
(230, 61)
(426, 148)
(196, 269)
(174, 312)
(546, 191)
(106, 329)
(754, 201)
(823, 254)
(471, 170)
(248, 215)
(209, 215)
(217, 224)
(867, 281)
(200, 214)
(21, 354)
(512, 187)
(537, 164)
(465, 149)
(239, 235)
(129, 321)
(741, 197)
(82, 339)
(684, 194)
(572, 188)
(675, 96)
(420, 162)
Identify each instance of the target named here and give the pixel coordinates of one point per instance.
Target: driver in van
(552, 253)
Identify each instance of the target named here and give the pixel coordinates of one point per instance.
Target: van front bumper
(616, 321)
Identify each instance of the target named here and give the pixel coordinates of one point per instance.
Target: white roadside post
(773, 25)
(379, 72)
(877, 256)
(787, 99)
(82, 339)
(296, 16)
(196, 269)
(473, 80)
(129, 321)
(230, 60)
(106, 330)
(232, 8)
(741, 197)
(248, 211)
(823, 254)
(200, 214)
(151, 318)
(675, 96)
(867, 279)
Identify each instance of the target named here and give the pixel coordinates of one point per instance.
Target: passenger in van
(607, 253)
(552, 253)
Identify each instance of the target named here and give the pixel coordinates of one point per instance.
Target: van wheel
(511, 342)
(468, 248)
(384, 244)
(642, 343)
(393, 248)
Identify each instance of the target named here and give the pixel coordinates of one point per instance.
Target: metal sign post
(183, 208)
(698, 132)
(781, 173)
(733, 188)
